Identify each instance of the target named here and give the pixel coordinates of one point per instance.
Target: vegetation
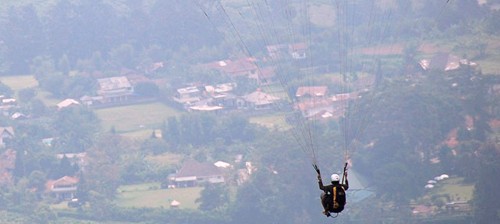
(409, 126)
(135, 117)
(152, 196)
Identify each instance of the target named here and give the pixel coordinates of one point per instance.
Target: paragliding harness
(338, 197)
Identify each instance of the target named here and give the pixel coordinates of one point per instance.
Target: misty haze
(249, 111)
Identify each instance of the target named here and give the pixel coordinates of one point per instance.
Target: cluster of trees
(403, 120)
(97, 33)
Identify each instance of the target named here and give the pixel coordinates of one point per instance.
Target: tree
(21, 31)
(154, 146)
(76, 127)
(37, 180)
(26, 95)
(43, 214)
(38, 108)
(5, 90)
(64, 65)
(272, 193)
(123, 56)
(213, 197)
(147, 89)
(171, 131)
(106, 154)
(64, 168)
(486, 194)
(398, 182)
(403, 121)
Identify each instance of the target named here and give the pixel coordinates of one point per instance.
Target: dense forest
(396, 134)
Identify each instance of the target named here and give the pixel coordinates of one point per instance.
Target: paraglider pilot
(333, 197)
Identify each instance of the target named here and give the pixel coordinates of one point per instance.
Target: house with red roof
(63, 188)
(311, 93)
(246, 67)
(259, 100)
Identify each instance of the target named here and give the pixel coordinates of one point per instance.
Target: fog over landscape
(219, 111)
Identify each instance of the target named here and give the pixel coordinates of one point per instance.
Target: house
(188, 95)
(221, 95)
(315, 109)
(115, 89)
(79, 159)
(91, 100)
(313, 102)
(6, 133)
(245, 67)
(259, 100)
(7, 103)
(276, 51)
(422, 210)
(297, 50)
(311, 93)
(265, 75)
(220, 88)
(321, 107)
(194, 173)
(18, 116)
(444, 62)
(153, 67)
(222, 164)
(63, 188)
(67, 103)
(360, 187)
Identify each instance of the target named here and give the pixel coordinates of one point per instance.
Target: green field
(20, 82)
(11, 218)
(165, 159)
(17, 83)
(135, 118)
(490, 65)
(271, 121)
(150, 195)
(455, 188)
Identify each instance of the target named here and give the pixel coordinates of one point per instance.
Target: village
(313, 102)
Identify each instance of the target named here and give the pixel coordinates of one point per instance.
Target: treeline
(98, 35)
(93, 34)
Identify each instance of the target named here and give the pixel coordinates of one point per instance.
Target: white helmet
(335, 177)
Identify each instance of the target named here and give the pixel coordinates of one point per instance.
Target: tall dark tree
(213, 197)
(174, 21)
(77, 128)
(23, 37)
(486, 194)
(106, 155)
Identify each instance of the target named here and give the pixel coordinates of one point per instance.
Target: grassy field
(12, 218)
(20, 82)
(490, 65)
(150, 195)
(17, 83)
(135, 118)
(165, 159)
(271, 121)
(455, 189)
(139, 134)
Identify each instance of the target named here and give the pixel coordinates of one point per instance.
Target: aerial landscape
(249, 111)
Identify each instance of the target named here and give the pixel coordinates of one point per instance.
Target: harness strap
(335, 204)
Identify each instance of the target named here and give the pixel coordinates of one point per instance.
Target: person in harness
(333, 197)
